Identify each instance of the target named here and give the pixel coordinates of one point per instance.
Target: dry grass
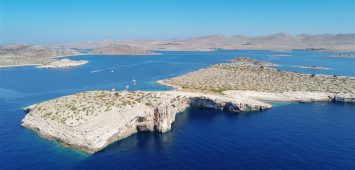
(222, 77)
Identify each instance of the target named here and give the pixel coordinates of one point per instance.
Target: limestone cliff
(89, 121)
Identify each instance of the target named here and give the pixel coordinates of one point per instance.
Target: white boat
(134, 82)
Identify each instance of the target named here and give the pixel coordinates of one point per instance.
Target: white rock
(69, 119)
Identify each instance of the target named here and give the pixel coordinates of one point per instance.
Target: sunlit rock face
(89, 121)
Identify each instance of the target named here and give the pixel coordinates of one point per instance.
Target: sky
(59, 21)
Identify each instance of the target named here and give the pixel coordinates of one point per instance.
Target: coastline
(89, 121)
(126, 113)
(19, 65)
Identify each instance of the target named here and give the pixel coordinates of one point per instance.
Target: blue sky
(57, 21)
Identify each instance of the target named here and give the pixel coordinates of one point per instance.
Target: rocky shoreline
(46, 57)
(312, 67)
(89, 121)
(63, 63)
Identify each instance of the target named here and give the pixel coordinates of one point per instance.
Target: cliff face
(89, 121)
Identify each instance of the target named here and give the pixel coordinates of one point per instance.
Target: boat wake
(143, 63)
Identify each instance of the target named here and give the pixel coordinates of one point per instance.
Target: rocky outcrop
(89, 121)
(292, 96)
(344, 98)
(64, 63)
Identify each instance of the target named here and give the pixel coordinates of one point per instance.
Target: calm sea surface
(288, 136)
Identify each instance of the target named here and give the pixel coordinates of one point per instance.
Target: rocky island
(89, 121)
(264, 83)
(20, 55)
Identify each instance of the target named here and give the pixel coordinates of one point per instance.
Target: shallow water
(290, 135)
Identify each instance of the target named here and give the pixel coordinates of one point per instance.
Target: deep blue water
(288, 136)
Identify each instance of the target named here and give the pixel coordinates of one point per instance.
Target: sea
(291, 135)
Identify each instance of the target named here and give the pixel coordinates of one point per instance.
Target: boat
(134, 82)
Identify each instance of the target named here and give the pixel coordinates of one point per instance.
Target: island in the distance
(89, 121)
(63, 63)
(21, 55)
(46, 57)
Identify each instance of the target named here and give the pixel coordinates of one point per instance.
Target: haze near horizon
(72, 21)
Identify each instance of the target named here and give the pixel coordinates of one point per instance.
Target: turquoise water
(291, 135)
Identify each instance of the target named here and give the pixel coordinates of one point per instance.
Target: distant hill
(279, 41)
(12, 55)
(117, 49)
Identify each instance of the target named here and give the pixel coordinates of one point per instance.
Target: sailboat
(134, 81)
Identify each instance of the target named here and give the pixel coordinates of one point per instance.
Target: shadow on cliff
(189, 124)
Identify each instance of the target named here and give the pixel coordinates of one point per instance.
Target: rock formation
(64, 63)
(89, 121)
